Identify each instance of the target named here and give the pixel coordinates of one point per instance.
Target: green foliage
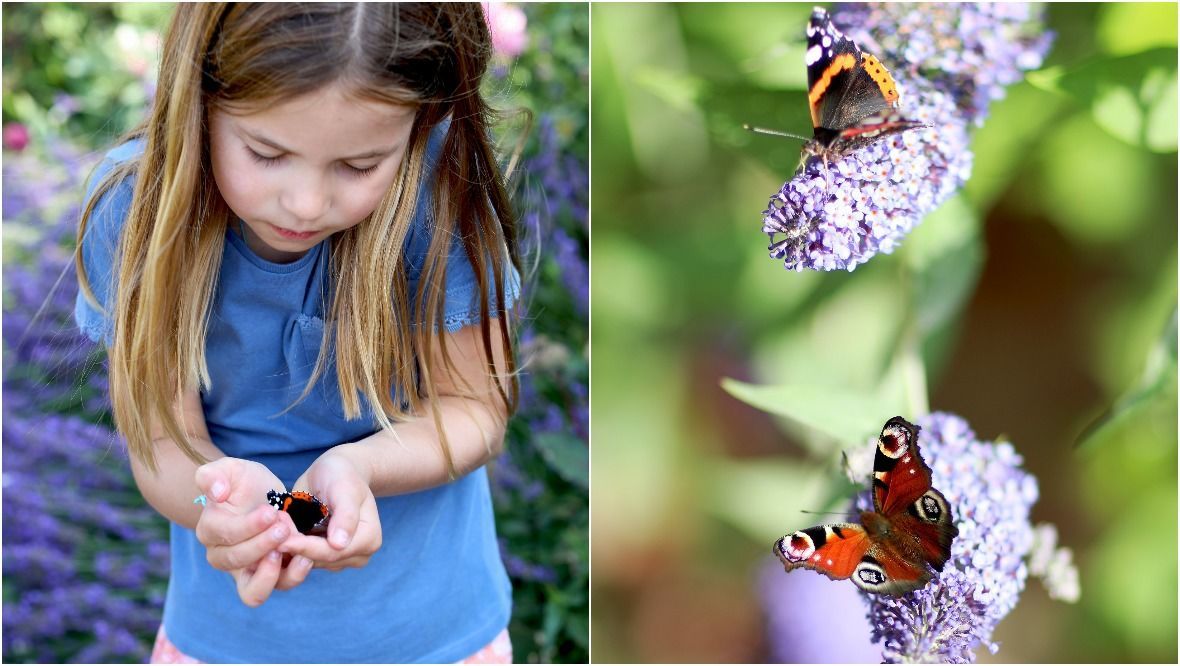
(1077, 163)
(81, 72)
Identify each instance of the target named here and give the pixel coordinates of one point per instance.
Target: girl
(302, 265)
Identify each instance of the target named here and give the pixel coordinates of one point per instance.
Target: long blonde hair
(235, 55)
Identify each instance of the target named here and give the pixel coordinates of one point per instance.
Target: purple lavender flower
(74, 524)
(990, 497)
(971, 50)
(949, 62)
(839, 216)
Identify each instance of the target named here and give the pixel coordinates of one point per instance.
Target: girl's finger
(342, 525)
(254, 589)
(354, 562)
(213, 478)
(229, 558)
(294, 573)
(220, 527)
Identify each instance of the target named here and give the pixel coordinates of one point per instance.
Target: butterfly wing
(847, 551)
(833, 550)
(922, 524)
(845, 85)
(900, 476)
(929, 523)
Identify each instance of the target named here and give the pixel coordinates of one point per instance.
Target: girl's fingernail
(340, 538)
(302, 562)
(279, 533)
(218, 489)
(273, 556)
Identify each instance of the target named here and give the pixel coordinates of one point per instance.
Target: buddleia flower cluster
(972, 51)
(839, 215)
(949, 62)
(997, 548)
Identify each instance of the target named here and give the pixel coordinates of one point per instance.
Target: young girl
(302, 266)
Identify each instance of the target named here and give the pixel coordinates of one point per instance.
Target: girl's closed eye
(265, 160)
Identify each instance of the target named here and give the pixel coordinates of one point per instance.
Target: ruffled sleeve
(461, 302)
(100, 245)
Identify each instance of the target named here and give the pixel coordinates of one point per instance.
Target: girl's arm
(171, 488)
(410, 458)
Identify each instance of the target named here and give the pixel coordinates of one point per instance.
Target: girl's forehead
(334, 99)
(326, 118)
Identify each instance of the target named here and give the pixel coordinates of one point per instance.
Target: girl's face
(299, 171)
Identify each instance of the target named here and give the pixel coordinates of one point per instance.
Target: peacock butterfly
(908, 532)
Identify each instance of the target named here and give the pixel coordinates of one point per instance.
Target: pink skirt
(499, 651)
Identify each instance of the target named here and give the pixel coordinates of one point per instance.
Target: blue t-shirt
(436, 591)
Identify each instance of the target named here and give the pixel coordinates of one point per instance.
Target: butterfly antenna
(825, 513)
(773, 132)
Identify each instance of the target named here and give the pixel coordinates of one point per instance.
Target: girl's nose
(306, 200)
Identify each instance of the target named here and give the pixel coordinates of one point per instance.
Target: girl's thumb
(212, 482)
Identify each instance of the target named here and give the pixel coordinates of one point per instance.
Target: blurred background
(1050, 321)
(85, 560)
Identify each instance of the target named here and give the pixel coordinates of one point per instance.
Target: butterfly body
(894, 547)
(852, 97)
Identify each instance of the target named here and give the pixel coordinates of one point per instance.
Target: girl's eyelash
(263, 159)
(268, 161)
(361, 173)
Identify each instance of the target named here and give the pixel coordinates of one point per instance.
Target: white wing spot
(829, 563)
(911, 471)
(827, 40)
(813, 55)
(905, 459)
(816, 558)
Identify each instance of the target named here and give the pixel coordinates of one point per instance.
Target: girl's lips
(293, 235)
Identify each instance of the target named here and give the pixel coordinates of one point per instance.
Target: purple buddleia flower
(838, 215)
(971, 50)
(990, 496)
(948, 62)
(801, 611)
(995, 552)
(1054, 566)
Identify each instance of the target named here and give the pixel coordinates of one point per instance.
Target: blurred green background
(85, 558)
(1038, 301)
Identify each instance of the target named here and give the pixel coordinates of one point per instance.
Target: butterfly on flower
(895, 546)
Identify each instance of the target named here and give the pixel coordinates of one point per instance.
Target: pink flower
(16, 136)
(507, 24)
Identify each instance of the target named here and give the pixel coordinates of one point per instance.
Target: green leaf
(763, 499)
(1131, 27)
(1157, 381)
(845, 416)
(945, 254)
(1132, 97)
(567, 456)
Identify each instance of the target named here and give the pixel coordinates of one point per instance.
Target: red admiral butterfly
(909, 530)
(852, 97)
(307, 512)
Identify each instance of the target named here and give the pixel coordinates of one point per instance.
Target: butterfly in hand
(895, 546)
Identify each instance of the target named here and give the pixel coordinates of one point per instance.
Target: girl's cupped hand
(354, 528)
(242, 532)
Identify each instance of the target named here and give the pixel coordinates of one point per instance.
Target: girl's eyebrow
(277, 146)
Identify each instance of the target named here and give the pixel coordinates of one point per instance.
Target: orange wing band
(838, 64)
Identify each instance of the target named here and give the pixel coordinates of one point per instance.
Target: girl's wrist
(357, 455)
